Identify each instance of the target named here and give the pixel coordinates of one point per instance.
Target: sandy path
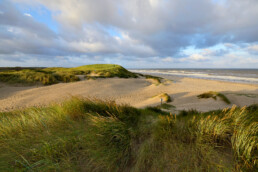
(136, 92)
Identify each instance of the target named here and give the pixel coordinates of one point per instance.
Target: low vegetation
(85, 135)
(155, 78)
(214, 95)
(165, 106)
(31, 76)
(48, 76)
(165, 97)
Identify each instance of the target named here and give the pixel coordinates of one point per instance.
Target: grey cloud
(22, 34)
(10, 16)
(147, 28)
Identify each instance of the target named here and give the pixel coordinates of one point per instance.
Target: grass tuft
(165, 97)
(155, 78)
(214, 95)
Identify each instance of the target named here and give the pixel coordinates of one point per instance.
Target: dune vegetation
(165, 106)
(48, 76)
(92, 135)
(157, 80)
(214, 95)
(165, 97)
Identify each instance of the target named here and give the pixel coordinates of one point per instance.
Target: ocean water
(231, 75)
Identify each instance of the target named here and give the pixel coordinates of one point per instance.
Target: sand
(135, 92)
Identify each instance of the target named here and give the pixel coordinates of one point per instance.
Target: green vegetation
(32, 76)
(155, 78)
(18, 68)
(85, 135)
(214, 95)
(104, 71)
(165, 97)
(165, 106)
(48, 76)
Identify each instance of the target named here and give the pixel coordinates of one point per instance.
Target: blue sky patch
(40, 14)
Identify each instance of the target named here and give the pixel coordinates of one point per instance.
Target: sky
(131, 33)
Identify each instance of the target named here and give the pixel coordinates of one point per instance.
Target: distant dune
(54, 75)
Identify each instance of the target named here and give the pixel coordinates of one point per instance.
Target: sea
(232, 75)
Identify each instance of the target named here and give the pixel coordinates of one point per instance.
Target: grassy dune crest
(165, 97)
(48, 76)
(214, 95)
(86, 135)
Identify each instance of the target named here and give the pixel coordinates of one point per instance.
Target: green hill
(48, 76)
(98, 67)
(105, 70)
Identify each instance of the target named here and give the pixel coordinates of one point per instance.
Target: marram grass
(48, 76)
(92, 135)
(214, 95)
(165, 97)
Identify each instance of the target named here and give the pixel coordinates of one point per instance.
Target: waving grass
(86, 135)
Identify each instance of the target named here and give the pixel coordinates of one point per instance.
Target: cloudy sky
(132, 33)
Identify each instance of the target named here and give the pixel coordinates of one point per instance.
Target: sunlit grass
(48, 76)
(214, 95)
(165, 97)
(92, 135)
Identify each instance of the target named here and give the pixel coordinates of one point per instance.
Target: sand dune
(136, 92)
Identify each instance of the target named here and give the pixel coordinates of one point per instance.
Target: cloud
(27, 14)
(135, 29)
(197, 57)
(253, 49)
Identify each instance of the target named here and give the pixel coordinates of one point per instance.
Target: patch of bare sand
(136, 92)
(9, 90)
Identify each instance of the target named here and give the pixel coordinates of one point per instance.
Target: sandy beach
(138, 92)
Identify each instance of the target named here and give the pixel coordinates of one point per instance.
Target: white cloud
(155, 3)
(253, 47)
(27, 14)
(145, 29)
(194, 58)
(197, 57)
(168, 59)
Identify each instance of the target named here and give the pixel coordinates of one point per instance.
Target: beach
(137, 92)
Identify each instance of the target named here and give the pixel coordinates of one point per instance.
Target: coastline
(200, 75)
